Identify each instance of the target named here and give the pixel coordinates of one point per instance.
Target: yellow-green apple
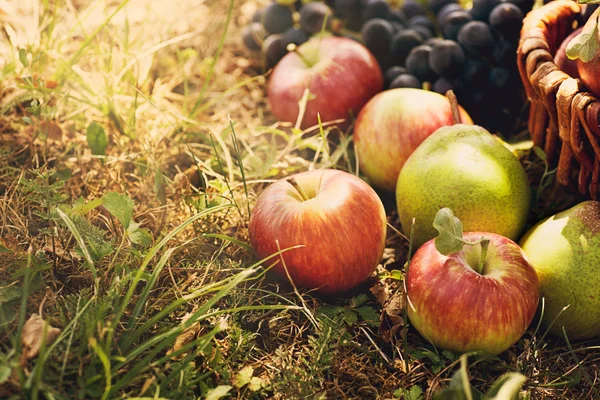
(467, 169)
(392, 125)
(565, 252)
(473, 299)
(336, 216)
(340, 74)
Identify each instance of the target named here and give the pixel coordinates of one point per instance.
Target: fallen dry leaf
(33, 335)
(185, 337)
(393, 307)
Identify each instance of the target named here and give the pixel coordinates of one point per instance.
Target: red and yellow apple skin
(461, 310)
(392, 125)
(341, 76)
(342, 227)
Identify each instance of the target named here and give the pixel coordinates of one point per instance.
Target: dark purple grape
(436, 5)
(258, 14)
(277, 18)
(274, 48)
(482, 8)
(313, 17)
(402, 43)
(406, 81)
(392, 73)
(410, 8)
(506, 20)
(504, 52)
(475, 73)
(376, 9)
(453, 22)
(417, 63)
(398, 16)
(377, 36)
(447, 9)
(442, 85)
(447, 59)
(295, 35)
(476, 37)
(348, 9)
(253, 36)
(421, 20)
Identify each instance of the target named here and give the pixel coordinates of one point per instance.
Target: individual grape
(392, 73)
(475, 73)
(481, 9)
(504, 52)
(476, 37)
(442, 85)
(447, 9)
(423, 31)
(313, 16)
(376, 9)
(447, 59)
(398, 16)
(377, 36)
(348, 9)
(453, 22)
(402, 43)
(437, 5)
(421, 20)
(258, 14)
(406, 81)
(253, 36)
(506, 20)
(295, 35)
(417, 63)
(277, 18)
(274, 48)
(410, 8)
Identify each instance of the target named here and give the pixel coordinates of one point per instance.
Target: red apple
(337, 217)
(584, 48)
(340, 74)
(392, 125)
(460, 306)
(561, 60)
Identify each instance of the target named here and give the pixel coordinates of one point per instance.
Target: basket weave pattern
(563, 119)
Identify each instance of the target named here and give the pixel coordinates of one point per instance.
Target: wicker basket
(564, 119)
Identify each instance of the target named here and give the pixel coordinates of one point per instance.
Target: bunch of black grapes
(431, 44)
(446, 47)
(281, 23)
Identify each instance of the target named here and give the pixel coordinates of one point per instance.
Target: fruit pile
(438, 47)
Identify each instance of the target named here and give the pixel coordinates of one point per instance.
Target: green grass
(134, 143)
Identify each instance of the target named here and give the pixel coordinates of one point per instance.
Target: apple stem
(293, 48)
(454, 107)
(484, 248)
(292, 181)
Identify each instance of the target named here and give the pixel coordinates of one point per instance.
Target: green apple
(565, 252)
(467, 169)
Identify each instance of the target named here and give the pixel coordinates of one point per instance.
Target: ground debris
(36, 332)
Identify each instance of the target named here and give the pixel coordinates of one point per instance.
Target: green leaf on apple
(450, 239)
(586, 45)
